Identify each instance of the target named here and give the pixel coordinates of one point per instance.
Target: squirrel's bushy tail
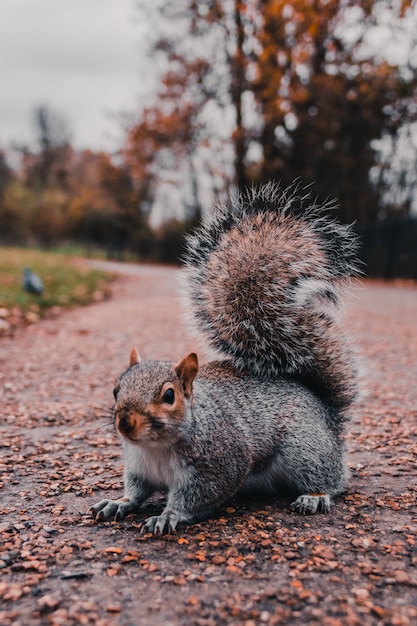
(264, 277)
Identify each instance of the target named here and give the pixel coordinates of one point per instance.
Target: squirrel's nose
(125, 424)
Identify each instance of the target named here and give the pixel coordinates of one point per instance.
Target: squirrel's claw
(112, 509)
(309, 504)
(160, 524)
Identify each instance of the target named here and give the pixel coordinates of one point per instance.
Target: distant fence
(389, 249)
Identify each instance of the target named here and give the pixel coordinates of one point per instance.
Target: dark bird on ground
(32, 282)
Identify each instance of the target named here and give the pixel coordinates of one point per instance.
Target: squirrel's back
(264, 276)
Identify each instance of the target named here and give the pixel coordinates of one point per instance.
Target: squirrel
(263, 280)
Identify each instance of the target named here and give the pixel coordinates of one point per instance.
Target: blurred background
(123, 121)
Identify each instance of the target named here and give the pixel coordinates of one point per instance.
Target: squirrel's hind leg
(309, 504)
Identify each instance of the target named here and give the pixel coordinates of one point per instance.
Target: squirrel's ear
(187, 370)
(134, 357)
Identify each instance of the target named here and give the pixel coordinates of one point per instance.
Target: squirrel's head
(151, 399)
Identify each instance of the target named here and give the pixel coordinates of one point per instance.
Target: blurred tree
(49, 164)
(104, 205)
(330, 99)
(159, 141)
(174, 139)
(281, 90)
(14, 208)
(47, 221)
(6, 175)
(96, 204)
(9, 213)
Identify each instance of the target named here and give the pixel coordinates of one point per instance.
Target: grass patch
(67, 283)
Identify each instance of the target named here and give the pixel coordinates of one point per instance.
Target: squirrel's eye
(116, 391)
(169, 396)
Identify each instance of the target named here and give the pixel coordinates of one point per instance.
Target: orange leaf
(113, 550)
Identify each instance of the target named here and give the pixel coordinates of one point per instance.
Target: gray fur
(264, 276)
(238, 433)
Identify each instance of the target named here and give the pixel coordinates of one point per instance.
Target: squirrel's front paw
(112, 509)
(165, 523)
(311, 503)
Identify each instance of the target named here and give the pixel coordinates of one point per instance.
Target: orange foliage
(316, 104)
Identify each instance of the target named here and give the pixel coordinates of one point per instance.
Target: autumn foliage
(278, 90)
(249, 91)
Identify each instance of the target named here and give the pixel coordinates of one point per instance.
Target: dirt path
(255, 563)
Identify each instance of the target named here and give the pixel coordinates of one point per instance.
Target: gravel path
(255, 563)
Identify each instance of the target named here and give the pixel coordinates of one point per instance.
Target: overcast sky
(83, 58)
